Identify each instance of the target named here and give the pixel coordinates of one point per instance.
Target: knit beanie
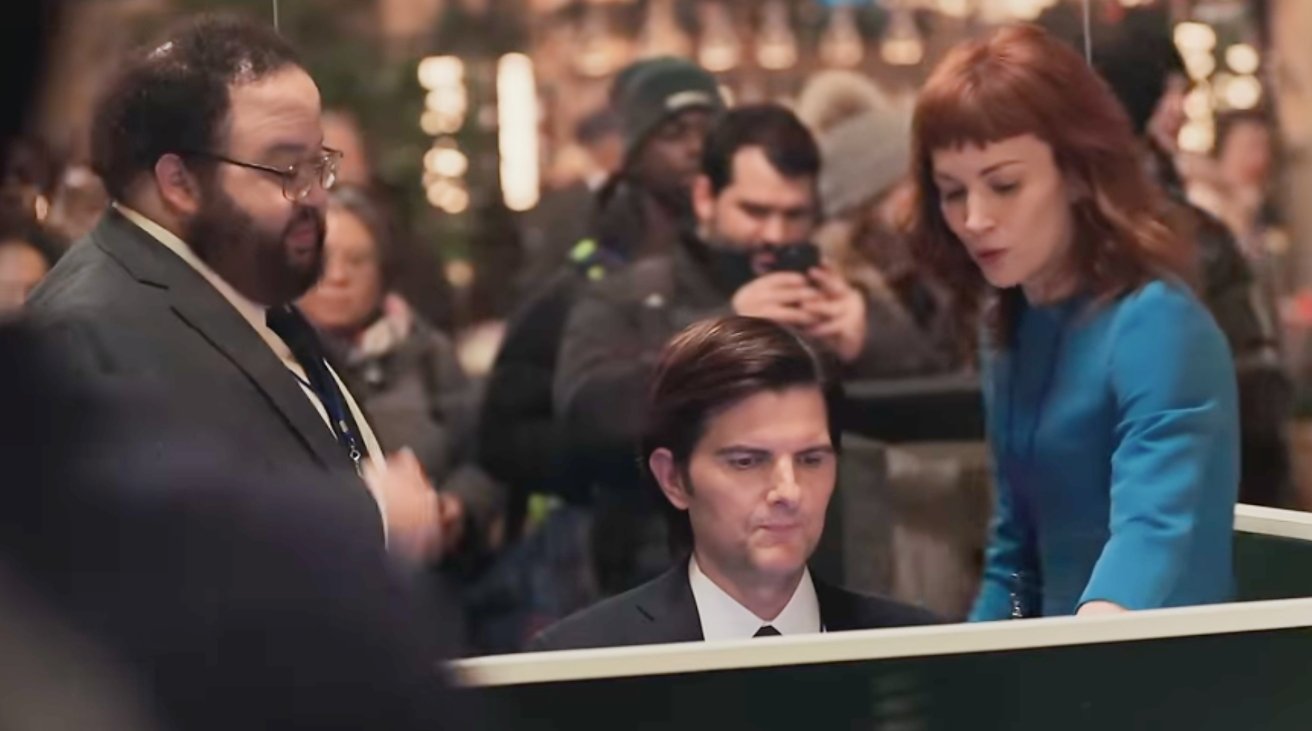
(647, 92)
(864, 138)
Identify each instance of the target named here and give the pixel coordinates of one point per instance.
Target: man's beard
(254, 262)
(730, 266)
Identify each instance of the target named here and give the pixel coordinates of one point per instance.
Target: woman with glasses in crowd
(1109, 390)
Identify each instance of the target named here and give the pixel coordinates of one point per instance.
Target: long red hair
(1021, 80)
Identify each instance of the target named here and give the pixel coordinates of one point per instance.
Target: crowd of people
(652, 453)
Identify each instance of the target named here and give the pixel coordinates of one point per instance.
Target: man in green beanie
(665, 107)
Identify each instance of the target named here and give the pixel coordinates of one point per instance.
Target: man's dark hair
(172, 96)
(714, 364)
(787, 143)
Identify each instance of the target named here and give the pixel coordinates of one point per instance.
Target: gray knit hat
(647, 92)
(864, 137)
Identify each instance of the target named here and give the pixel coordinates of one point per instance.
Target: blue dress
(1114, 430)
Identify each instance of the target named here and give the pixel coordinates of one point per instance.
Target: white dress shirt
(723, 618)
(254, 314)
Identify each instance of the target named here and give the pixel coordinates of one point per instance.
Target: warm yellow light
(719, 49)
(1194, 37)
(436, 72)
(1242, 58)
(841, 44)
(460, 273)
(1244, 92)
(954, 8)
(776, 47)
(448, 195)
(1198, 102)
(902, 44)
(517, 119)
(1199, 64)
(1197, 136)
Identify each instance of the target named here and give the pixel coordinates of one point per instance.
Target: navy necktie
(290, 325)
(766, 631)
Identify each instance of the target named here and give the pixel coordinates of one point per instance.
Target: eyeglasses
(298, 179)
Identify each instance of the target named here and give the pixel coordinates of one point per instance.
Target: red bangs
(974, 110)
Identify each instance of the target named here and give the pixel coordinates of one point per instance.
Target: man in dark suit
(211, 146)
(740, 437)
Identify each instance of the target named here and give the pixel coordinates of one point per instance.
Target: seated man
(740, 438)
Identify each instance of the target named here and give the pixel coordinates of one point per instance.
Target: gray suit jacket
(664, 610)
(124, 311)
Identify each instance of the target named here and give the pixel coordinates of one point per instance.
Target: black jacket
(664, 611)
(122, 310)
(521, 440)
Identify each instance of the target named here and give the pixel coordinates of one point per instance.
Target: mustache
(304, 215)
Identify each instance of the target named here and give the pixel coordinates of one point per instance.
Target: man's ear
(669, 477)
(178, 187)
(703, 199)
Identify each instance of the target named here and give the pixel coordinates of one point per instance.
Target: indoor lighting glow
(1244, 92)
(777, 46)
(517, 121)
(953, 8)
(719, 50)
(1194, 37)
(841, 44)
(437, 72)
(1242, 58)
(1197, 136)
(902, 44)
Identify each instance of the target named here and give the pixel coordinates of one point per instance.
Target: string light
(902, 44)
(719, 50)
(841, 44)
(777, 48)
(517, 122)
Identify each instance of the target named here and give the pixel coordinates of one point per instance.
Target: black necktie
(290, 325)
(766, 631)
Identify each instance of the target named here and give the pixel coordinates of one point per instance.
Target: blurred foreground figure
(190, 587)
(210, 144)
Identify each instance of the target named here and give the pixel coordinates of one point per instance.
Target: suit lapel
(668, 606)
(203, 309)
(837, 611)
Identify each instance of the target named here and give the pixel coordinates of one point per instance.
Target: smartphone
(800, 258)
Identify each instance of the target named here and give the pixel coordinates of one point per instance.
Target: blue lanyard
(339, 416)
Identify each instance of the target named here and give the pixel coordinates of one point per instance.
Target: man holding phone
(750, 254)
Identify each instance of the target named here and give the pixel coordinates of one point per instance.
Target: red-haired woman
(1110, 391)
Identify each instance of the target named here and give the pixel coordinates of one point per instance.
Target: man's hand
(838, 315)
(1097, 607)
(779, 296)
(451, 514)
(411, 507)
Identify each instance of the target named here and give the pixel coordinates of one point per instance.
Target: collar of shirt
(723, 618)
(254, 313)
(250, 310)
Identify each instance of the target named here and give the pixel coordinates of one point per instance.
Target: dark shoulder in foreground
(843, 610)
(657, 612)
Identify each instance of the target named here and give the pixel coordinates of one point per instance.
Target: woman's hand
(1095, 608)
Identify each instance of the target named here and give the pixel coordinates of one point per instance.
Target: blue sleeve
(1176, 444)
(1007, 546)
(1003, 558)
